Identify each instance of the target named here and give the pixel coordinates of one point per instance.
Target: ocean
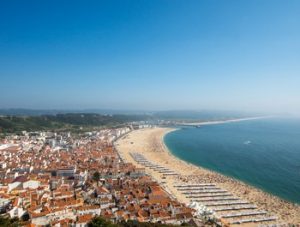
(264, 153)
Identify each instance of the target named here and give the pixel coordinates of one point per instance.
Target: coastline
(150, 143)
(225, 121)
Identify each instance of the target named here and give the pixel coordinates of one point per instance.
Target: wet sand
(149, 142)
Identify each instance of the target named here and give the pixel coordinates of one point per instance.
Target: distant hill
(64, 121)
(16, 120)
(39, 112)
(170, 114)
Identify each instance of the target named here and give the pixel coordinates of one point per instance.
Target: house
(83, 220)
(88, 209)
(31, 184)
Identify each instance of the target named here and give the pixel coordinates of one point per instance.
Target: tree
(7, 222)
(100, 222)
(96, 177)
(134, 223)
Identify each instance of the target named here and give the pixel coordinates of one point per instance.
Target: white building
(31, 184)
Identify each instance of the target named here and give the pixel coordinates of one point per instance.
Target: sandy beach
(149, 143)
(223, 121)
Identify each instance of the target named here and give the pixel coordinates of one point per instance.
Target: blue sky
(152, 55)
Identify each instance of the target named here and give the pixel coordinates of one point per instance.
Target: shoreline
(224, 121)
(150, 143)
(223, 174)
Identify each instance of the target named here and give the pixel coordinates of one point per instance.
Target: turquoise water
(264, 153)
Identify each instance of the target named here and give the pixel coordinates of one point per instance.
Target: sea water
(264, 153)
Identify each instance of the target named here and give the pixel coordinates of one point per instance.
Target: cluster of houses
(59, 180)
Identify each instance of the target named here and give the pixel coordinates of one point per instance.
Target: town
(57, 179)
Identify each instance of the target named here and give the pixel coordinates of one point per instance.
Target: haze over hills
(38, 112)
(16, 120)
(166, 114)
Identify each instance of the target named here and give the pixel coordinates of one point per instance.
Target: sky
(150, 55)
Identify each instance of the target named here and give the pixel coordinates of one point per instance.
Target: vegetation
(12, 120)
(131, 223)
(7, 222)
(96, 177)
(73, 122)
(101, 222)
